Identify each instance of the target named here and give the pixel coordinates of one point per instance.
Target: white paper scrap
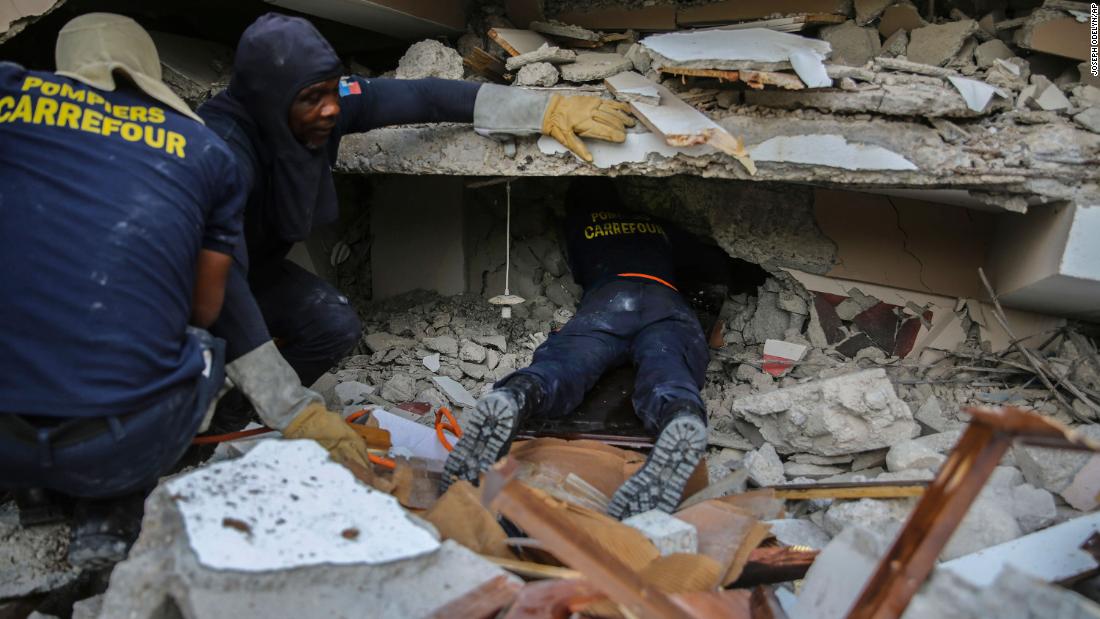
(415, 439)
(976, 93)
(287, 504)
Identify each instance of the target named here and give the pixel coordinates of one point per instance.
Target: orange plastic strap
(452, 425)
(650, 277)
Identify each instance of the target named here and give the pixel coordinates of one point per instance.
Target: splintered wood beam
(851, 490)
(719, 74)
(576, 548)
(937, 515)
(776, 564)
(482, 602)
(486, 65)
(758, 79)
(529, 569)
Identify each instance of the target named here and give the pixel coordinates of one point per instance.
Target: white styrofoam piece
(637, 148)
(810, 69)
(287, 504)
(413, 439)
(751, 44)
(976, 93)
(1051, 555)
(784, 350)
(455, 391)
(828, 150)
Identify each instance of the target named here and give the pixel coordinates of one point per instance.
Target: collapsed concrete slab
(847, 414)
(285, 532)
(32, 560)
(1073, 475)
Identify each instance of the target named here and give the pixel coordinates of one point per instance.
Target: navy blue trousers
(312, 323)
(620, 321)
(127, 454)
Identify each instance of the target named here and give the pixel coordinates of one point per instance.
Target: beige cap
(90, 48)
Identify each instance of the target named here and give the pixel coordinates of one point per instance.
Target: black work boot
(660, 482)
(103, 530)
(487, 435)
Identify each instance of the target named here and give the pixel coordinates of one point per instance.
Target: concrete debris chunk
(399, 388)
(989, 52)
(931, 414)
(628, 90)
(429, 58)
(592, 66)
(855, 304)
(352, 392)
(901, 16)
(537, 74)
(443, 344)
(798, 532)
(32, 560)
(842, 415)
(936, 44)
(851, 44)
(471, 351)
(1089, 119)
(837, 576)
(567, 31)
(912, 455)
(669, 534)
(794, 470)
(895, 45)
(1033, 507)
(1046, 95)
(1071, 474)
(454, 391)
(546, 53)
(382, 341)
(764, 466)
(868, 11)
(828, 150)
(751, 48)
(350, 554)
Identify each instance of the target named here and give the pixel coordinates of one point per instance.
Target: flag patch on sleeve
(349, 86)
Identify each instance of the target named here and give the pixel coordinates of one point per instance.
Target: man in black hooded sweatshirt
(283, 115)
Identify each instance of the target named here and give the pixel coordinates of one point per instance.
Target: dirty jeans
(619, 321)
(126, 454)
(311, 322)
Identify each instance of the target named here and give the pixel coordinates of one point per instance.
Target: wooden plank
(742, 10)
(516, 41)
(679, 123)
(482, 602)
(719, 74)
(575, 547)
(646, 19)
(758, 79)
(486, 65)
(869, 490)
(776, 564)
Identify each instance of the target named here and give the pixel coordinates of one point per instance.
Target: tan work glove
(584, 116)
(333, 433)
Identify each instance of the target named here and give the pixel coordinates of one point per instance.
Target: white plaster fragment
(637, 148)
(431, 362)
(810, 69)
(976, 93)
(455, 391)
(287, 504)
(750, 44)
(828, 150)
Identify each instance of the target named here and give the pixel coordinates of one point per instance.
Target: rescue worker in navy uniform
(631, 310)
(119, 215)
(283, 115)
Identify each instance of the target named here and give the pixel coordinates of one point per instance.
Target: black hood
(277, 56)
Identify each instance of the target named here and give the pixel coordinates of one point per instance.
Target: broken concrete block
(1087, 78)
(855, 304)
(455, 392)
(591, 66)
(568, 31)
(546, 54)
(1033, 507)
(936, 44)
(471, 352)
(909, 455)
(668, 533)
(764, 466)
(399, 388)
(1019, 595)
(563, 292)
(868, 11)
(1061, 470)
(352, 392)
(852, 45)
(842, 415)
(1089, 119)
(798, 532)
(1086, 96)
(1047, 96)
(837, 576)
(901, 16)
(812, 471)
(382, 341)
(429, 58)
(932, 415)
(896, 45)
(443, 344)
(941, 442)
(537, 74)
(499, 342)
(986, 54)
(285, 532)
(32, 560)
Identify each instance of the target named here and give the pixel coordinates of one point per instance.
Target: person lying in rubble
(120, 213)
(284, 113)
(627, 263)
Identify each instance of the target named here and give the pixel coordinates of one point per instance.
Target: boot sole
(486, 439)
(661, 480)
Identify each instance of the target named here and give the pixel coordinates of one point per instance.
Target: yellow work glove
(333, 433)
(589, 117)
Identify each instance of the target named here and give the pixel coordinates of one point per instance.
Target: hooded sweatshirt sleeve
(371, 103)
